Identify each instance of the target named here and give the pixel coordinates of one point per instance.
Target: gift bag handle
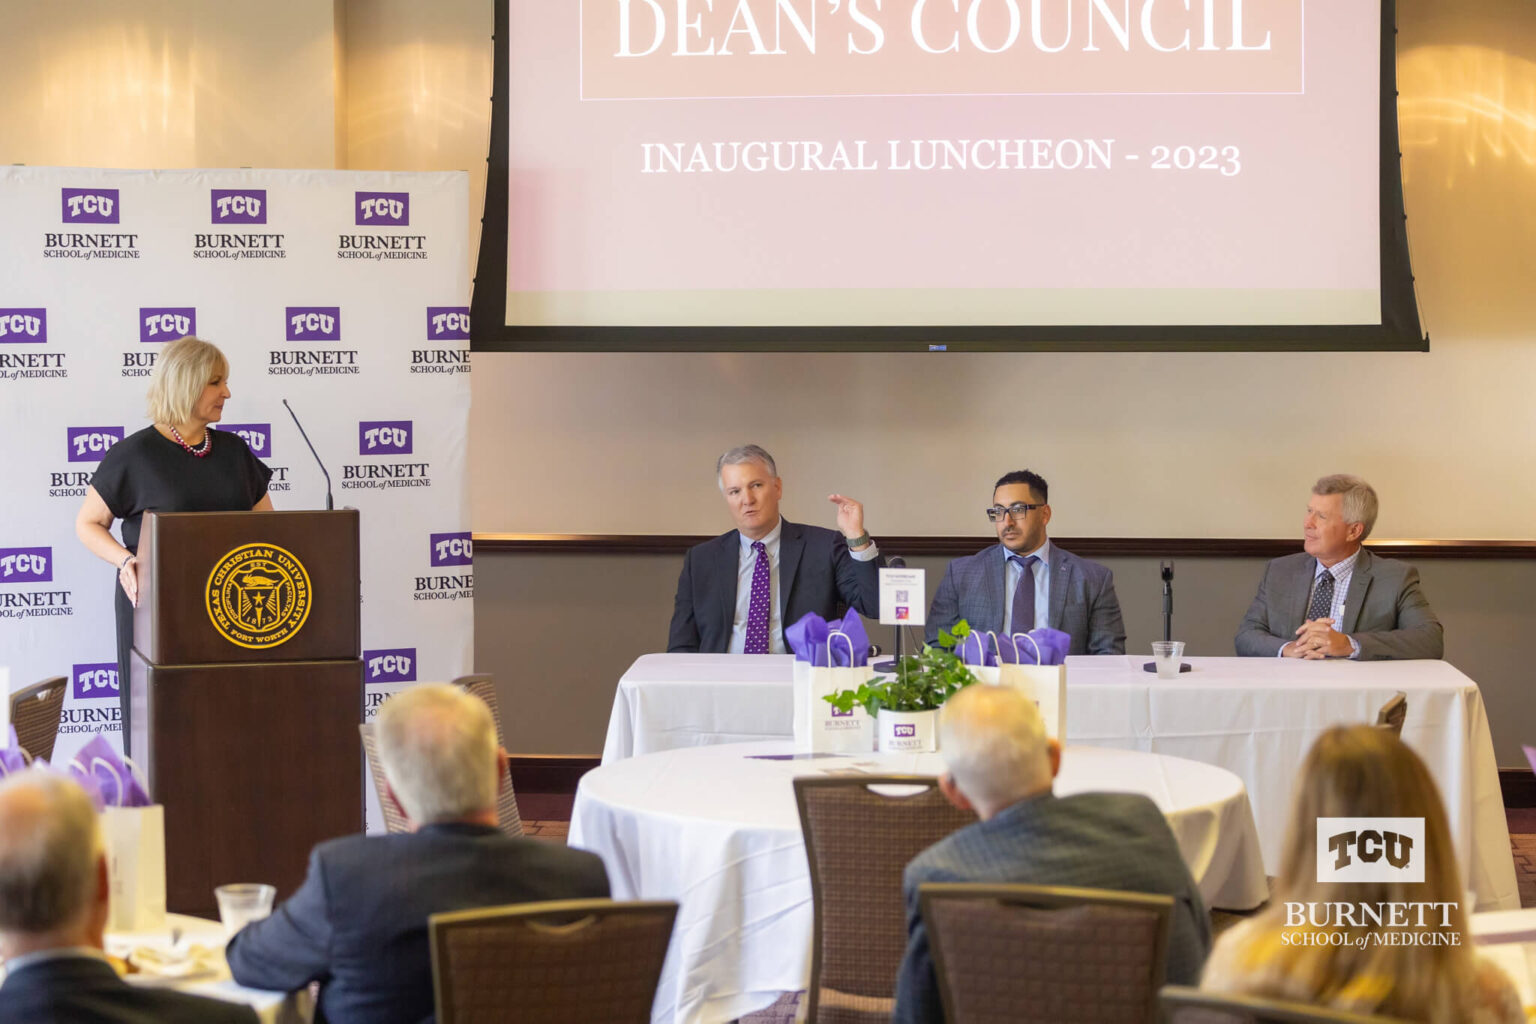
(115, 775)
(997, 648)
(846, 639)
(1038, 659)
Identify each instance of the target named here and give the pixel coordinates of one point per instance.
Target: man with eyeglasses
(1027, 581)
(737, 592)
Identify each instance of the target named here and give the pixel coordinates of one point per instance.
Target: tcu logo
(166, 323)
(1370, 849)
(392, 208)
(95, 681)
(849, 714)
(392, 666)
(447, 323)
(258, 436)
(89, 444)
(905, 731)
(23, 326)
(384, 437)
(90, 206)
(453, 549)
(314, 323)
(239, 206)
(26, 565)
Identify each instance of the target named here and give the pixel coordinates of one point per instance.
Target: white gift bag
(819, 727)
(1046, 685)
(134, 842)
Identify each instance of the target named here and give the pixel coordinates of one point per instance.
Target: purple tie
(1024, 595)
(757, 608)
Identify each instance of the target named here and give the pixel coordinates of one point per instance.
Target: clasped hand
(1317, 639)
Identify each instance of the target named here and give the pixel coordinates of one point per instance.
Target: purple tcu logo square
(90, 206)
(166, 323)
(842, 714)
(397, 665)
(453, 549)
(257, 435)
(447, 323)
(23, 326)
(383, 208)
(905, 731)
(239, 205)
(89, 444)
(384, 437)
(313, 323)
(26, 565)
(95, 682)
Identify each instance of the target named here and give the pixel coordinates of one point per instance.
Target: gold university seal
(258, 596)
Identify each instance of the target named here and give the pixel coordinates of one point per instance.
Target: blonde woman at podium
(176, 464)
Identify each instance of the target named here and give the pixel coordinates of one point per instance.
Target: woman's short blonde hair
(184, 368)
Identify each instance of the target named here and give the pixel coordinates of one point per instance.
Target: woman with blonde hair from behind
(1343, 945)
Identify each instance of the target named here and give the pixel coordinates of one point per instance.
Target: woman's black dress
(148, 472)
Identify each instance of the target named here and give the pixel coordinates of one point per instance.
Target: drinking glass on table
(1167, 655)
(243, 903)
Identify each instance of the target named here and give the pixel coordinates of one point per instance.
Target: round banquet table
(716, 829)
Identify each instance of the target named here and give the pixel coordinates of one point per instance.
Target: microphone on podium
(329, 504)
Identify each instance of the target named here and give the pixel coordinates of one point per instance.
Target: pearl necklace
(201, 450)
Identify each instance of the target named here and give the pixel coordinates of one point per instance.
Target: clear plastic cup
(243, 903)
(1167, 655)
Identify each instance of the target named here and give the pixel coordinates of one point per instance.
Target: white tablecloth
(1508, 938)
(270, 1007)
(718, 831)
(1253, 716)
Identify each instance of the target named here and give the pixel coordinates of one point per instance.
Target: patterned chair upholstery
(506, 802)
(35, 712)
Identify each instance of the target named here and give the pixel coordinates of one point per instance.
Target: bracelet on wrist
(859, 541)
(124, 563)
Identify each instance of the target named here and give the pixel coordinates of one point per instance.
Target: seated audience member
(736, 593)
(1335, 599)
(1027, 581)
(1359, 965)
(53, 909)
(1001, 765)
(358, 923)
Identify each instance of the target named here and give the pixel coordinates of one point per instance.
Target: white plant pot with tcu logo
(907, 732)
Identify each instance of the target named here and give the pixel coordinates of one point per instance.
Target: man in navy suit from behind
(1001, 765)
(53, 911)
(736, 593)
(1025, 581)
(358, 923)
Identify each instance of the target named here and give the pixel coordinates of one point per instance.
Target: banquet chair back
(1072, 955)
(858, 842)
(564, 961)
(506, 800)
(1393, 713)
(35, 712)
(394, 821)
(1183, 1005)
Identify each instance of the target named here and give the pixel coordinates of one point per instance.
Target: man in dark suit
(1027, 581)
(358, 923)
(1001, 765)
(53, 910)
(1335, 599)
(737, 592)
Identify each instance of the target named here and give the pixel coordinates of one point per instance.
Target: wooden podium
(246, 688)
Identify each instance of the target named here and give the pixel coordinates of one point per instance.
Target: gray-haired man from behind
(1335, 599)
(53, 911)
(358, 923)
(1001, 765)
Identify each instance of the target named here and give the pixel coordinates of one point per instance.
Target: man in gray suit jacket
(1001, 765)
(1336, 599)
(1027, 581)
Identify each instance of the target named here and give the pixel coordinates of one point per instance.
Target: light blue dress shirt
(1343, 572)
(745, 566)
(1042, 570)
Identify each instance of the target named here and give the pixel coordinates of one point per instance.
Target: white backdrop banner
(344, 292)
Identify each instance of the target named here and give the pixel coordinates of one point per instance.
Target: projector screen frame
(1399, 330)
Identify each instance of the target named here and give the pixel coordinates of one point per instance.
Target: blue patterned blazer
(1094, 840)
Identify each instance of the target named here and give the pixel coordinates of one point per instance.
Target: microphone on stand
(1165, 570)
(329, 504)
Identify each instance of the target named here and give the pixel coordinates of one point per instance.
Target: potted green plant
(905, 703)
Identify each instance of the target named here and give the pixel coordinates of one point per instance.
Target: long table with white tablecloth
(1256, 717)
